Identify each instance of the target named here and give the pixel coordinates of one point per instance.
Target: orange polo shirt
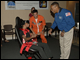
(37, 26)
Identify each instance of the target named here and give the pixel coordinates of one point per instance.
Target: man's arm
(31, 25)
(32, 30)
(23, 36)
(43, 27)
(69, 20)
(44, 23)
(50, 31)
(28, 38)
(52, 27)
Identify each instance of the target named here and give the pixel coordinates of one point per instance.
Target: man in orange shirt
(37, 24)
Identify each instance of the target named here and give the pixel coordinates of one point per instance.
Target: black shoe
(51, 57)
(49, 35)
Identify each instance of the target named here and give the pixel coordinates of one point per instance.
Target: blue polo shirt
(63, 20)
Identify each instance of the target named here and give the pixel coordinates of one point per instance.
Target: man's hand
(50, 31)
(33, 36)
(62, 34)
(38, 33)
(42, 32)
(33, 32)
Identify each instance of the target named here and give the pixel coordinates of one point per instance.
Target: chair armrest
(46, 26)
(3, 31)
(12, 28)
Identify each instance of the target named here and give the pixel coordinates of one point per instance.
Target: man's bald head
(55, 7)
(55, 4)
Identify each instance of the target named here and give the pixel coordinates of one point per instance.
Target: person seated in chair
(30, 41)
(3, 36)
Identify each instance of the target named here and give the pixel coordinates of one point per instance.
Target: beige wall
(71, 6)
(8, 16)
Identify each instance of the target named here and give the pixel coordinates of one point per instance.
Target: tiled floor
(11, 50)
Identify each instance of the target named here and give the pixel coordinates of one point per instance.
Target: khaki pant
(65, 44)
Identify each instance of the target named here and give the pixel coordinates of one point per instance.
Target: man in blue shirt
(65, 23)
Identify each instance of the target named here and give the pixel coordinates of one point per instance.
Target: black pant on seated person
(43, 49)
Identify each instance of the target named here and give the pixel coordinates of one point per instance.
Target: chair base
(29, 57)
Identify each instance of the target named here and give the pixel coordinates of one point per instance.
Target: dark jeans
(2, 36)
(43, 49)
